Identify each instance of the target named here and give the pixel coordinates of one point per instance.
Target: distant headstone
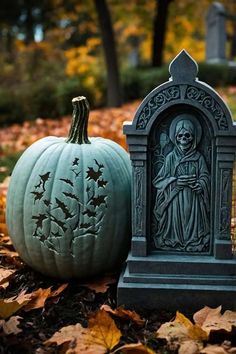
(182, 145)
(216, 33)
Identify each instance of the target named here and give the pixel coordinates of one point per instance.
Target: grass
(7, 164)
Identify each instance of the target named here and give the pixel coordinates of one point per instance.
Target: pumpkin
(68, 202)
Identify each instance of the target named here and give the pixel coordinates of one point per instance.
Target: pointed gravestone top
(183, 67)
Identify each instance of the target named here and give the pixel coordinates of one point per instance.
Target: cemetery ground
(44, 315)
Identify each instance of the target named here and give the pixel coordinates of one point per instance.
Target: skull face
(184, 138)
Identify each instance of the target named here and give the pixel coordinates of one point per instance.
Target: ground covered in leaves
(43, 315)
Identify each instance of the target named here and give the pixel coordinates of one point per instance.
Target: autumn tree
(108, 41)
(159, 31)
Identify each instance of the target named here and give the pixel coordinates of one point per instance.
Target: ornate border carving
(174, 93)
(209, 103)
(167, 95)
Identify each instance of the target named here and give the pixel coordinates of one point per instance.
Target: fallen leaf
(194, 331)
(100, 284)
(5, 275)
(190, 347)
(201, 316)
(126, 314)
(214, 349)
(136, 348)
(103, 330)
(57, 292)
(11, 305)
(212, 320)
(181, 329)
(101, 336)
(39, 297)
(11, 326)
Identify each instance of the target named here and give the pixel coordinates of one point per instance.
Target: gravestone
(182, 145)
(216, 33)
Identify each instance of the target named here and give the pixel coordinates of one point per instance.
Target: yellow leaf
(194, 331)
(103, 330)
(181, 329)
(126, 314)
(100, 336)
(13, 304)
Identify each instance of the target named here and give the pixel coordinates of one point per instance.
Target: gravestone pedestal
(182, 145)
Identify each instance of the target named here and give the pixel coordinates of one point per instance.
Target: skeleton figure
(181, 211)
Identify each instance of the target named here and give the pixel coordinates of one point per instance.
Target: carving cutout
(59, 220)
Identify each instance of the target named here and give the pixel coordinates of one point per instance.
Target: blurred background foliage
(53, 50)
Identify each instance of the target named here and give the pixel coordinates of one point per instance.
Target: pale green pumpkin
(68, 203)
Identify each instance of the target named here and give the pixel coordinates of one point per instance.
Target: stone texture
(182, 144)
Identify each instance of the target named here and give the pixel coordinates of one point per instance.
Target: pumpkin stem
(78, 132)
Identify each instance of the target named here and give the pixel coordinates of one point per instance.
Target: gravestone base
(172, 282)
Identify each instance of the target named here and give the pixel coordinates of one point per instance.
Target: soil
(73, 306)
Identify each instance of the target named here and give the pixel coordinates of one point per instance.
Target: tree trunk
(108, 41)
(29, 24)
(159, 31)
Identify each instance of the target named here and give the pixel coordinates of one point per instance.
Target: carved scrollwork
(209, 103)
(157, 101)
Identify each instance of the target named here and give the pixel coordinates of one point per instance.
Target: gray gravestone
(182, 145)
(216, 33)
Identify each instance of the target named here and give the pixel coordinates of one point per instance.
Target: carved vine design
(163, 97)
(57, 220)
(209, 103)
(225, 209)
(138, 205)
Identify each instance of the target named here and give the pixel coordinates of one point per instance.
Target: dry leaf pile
(106, 122)
(42, 315)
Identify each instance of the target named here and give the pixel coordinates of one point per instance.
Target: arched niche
(150, 132)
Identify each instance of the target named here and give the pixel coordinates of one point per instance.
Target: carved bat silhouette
(102, 183)
(67, 181)
(99, 165)
(47, 202)
(92, 174)
(64, 208)
(37, 195)
(99, 200)
(75, 162)
(39, 223)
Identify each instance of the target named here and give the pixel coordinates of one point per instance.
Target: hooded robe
(182, 215)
